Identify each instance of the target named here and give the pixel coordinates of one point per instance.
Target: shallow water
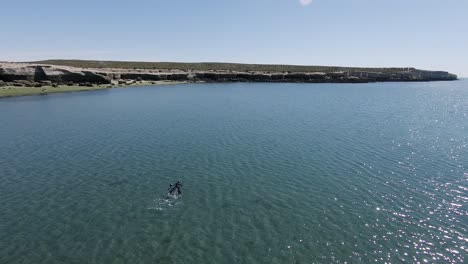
(272, 173)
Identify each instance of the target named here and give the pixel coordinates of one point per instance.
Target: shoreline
(12, 91)
(47, 77)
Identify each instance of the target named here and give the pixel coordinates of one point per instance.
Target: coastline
(12, 91)
(47, 77)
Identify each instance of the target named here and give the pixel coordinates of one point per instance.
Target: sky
(426, 34)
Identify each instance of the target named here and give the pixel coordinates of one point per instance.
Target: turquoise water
(272, 173)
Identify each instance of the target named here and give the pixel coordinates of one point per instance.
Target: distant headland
(52, 76)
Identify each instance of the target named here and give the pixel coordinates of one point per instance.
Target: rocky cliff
(17, 74)
(36, 75)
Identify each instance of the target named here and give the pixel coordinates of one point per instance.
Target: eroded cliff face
(38, 75)
(311, 77)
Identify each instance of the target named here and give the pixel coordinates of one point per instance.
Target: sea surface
(271, 173)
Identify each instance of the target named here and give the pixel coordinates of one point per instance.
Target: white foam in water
(164, 203)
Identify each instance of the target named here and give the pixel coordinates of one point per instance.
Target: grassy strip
(22, 91)
(207, 66)
(13, 91)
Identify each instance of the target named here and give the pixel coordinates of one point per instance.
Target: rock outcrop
(49, 74)
(37, 75)
(315, 77)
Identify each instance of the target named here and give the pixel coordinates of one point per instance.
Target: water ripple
(272, 173)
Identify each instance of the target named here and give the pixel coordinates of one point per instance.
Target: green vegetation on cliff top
(207, 66)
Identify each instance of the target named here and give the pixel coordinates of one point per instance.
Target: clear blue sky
(426, 34)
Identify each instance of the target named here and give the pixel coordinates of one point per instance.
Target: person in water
(174, 189)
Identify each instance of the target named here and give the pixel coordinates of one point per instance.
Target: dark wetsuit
(175, 189)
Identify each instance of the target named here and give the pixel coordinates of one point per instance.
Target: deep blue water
(272, 173)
